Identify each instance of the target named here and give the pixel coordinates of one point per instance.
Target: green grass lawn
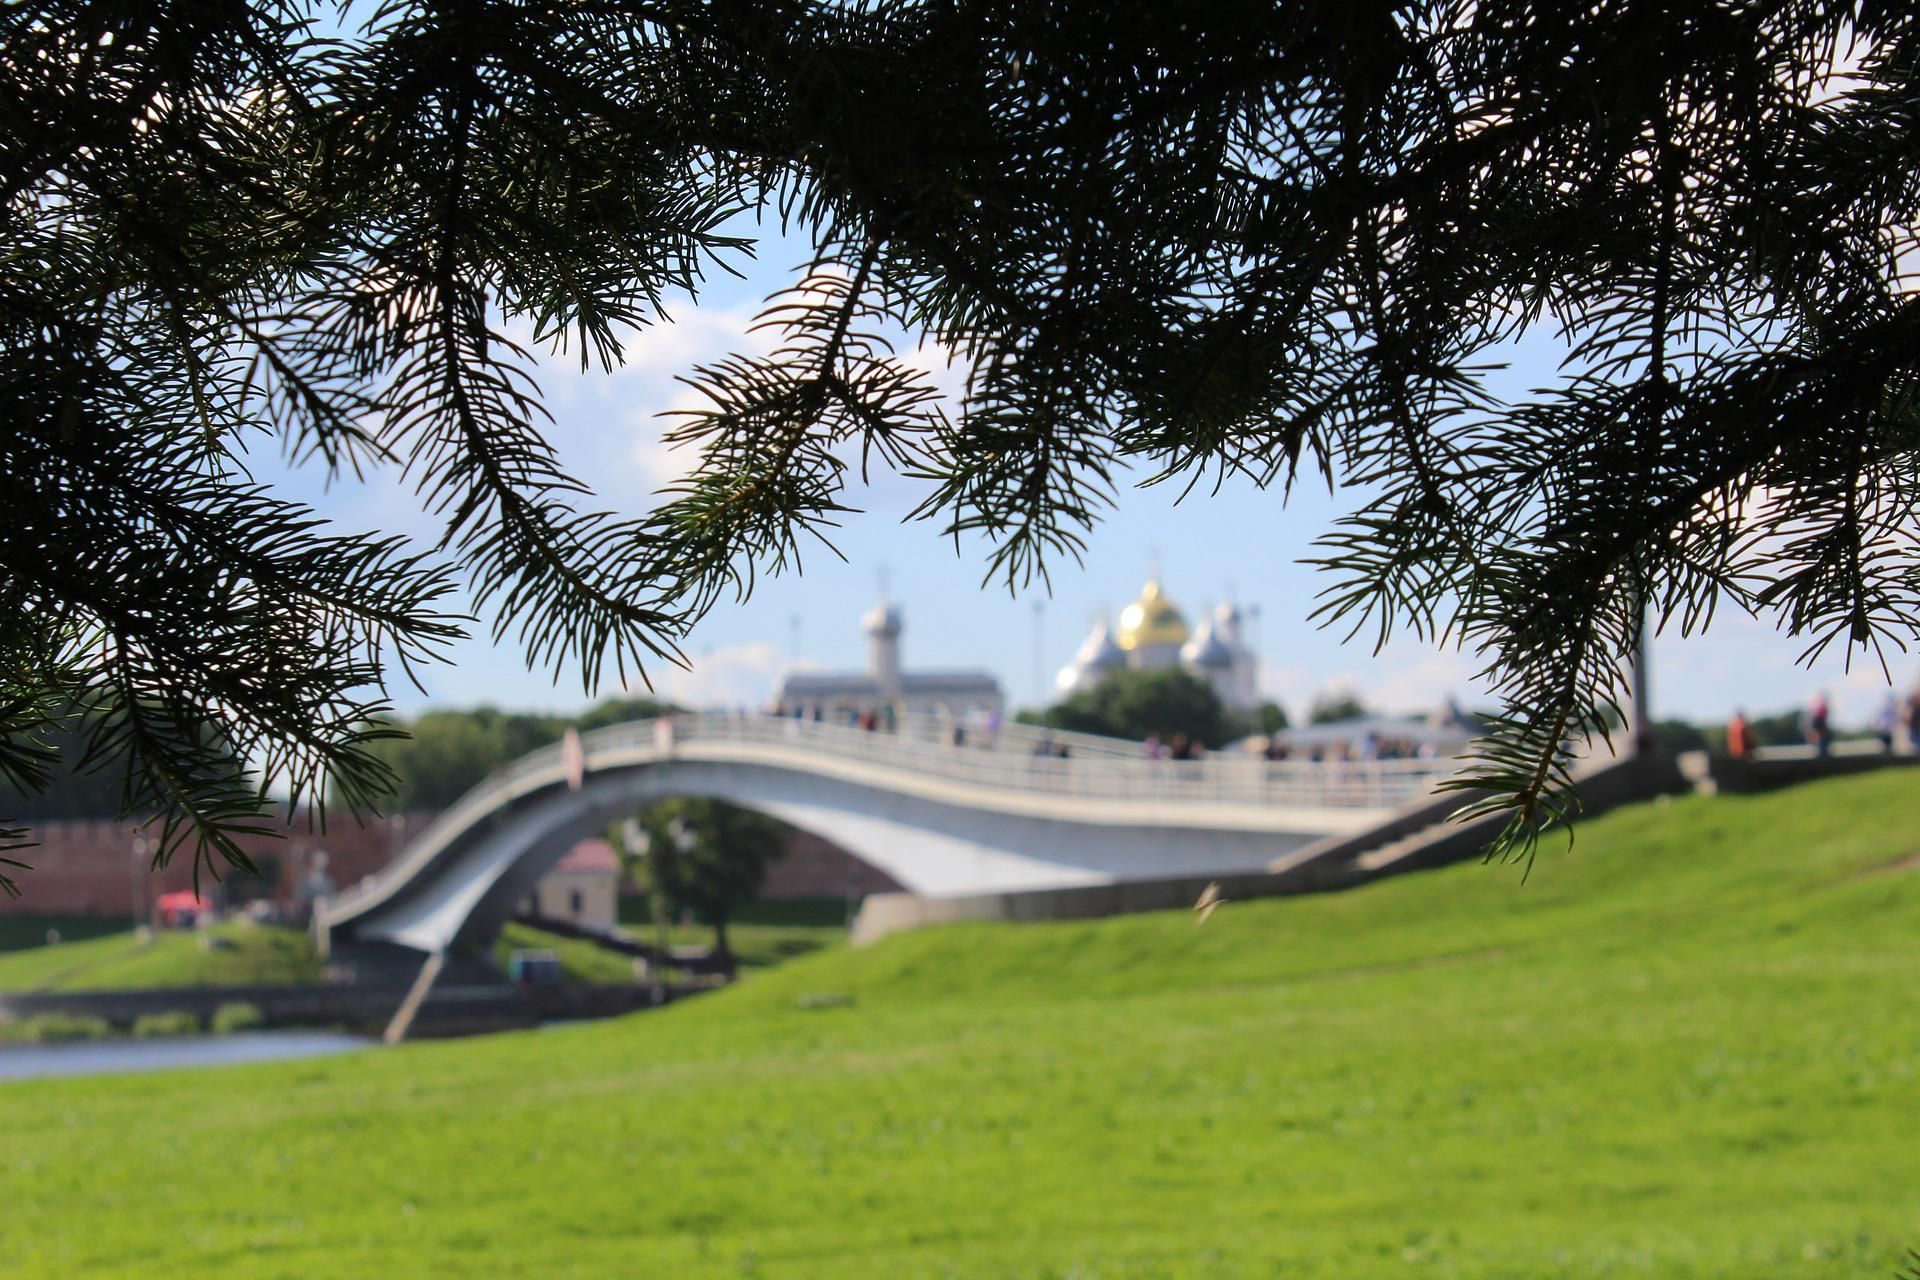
(19, 933)
(768, 932)
(271, 955)
(256, 954)
(755, 947)
(582, 960)
(1689, 1048)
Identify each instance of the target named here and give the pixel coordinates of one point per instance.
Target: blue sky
(1238, 541)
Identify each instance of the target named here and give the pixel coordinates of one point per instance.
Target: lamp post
(142, 849)
(680, 840)
(1644, 736)
(649, 848)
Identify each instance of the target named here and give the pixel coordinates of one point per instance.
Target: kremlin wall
(92, 869)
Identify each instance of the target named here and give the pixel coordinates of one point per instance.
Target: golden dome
(1151, 621)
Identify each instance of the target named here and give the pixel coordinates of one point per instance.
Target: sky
(1237, 543)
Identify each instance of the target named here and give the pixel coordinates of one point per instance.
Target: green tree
(67, 792)
(612, 711)
(1679, 735)
(1143, 704)
(1174, 240)
(1336, 704)
(1780, 729)
(80, 783)
(440, 755)
(708, 857)
(1269, 717)
(444, 753)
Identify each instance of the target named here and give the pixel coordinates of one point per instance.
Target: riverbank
(448, 1010)
(180, 981)
(240, 952)
(117, 1057)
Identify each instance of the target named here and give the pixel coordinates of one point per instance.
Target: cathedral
(1152, 635)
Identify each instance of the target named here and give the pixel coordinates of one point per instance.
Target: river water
(103, 1057)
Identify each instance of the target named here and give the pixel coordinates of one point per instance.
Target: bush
(173, 1022)
(239, 1016)
(56, 1028)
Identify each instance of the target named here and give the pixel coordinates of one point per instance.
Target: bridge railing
(1009, 763)
(1094, 769)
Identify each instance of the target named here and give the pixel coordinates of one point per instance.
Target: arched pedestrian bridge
(944, 819)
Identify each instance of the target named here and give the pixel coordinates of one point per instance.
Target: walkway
(942, 819)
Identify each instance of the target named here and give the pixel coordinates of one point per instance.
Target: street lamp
(143, 848)
(641, 841)
(681, 839)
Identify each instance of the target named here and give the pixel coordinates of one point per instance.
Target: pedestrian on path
(1739, 736)
(1818, 729)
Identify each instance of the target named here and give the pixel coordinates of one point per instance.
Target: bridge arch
(944, 821)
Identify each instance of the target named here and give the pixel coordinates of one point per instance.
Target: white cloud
(742, 675)
(672, 350)
(1290, 684)
(1420, 684)
(609, 425)
(1405, 677)
(674, 346)
(662, 462)
(945, 367)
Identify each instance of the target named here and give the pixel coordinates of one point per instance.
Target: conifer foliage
(1173, 242)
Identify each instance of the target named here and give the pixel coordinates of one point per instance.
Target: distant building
(885, 684)
(1442, 734)
(1153, 636)
(583, 887)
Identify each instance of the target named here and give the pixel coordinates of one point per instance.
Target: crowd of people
(1896, 724)
(1369, 746)
(974, 725)
(1177, 747)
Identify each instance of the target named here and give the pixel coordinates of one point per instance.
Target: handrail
(1097, 769)
(918, 746)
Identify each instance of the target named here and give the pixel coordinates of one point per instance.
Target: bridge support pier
(416, 996)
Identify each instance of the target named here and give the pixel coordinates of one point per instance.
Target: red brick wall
(89, 868)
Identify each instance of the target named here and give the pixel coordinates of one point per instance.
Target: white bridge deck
(942, 818)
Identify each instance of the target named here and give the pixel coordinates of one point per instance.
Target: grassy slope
(274, 955)
(819, 913)
(1691, 1048)
(20, 933)
(259, 954)
(767, 932)
(754, 947)
(582, 960)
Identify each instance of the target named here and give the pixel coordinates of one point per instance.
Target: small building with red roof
(583, 887)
